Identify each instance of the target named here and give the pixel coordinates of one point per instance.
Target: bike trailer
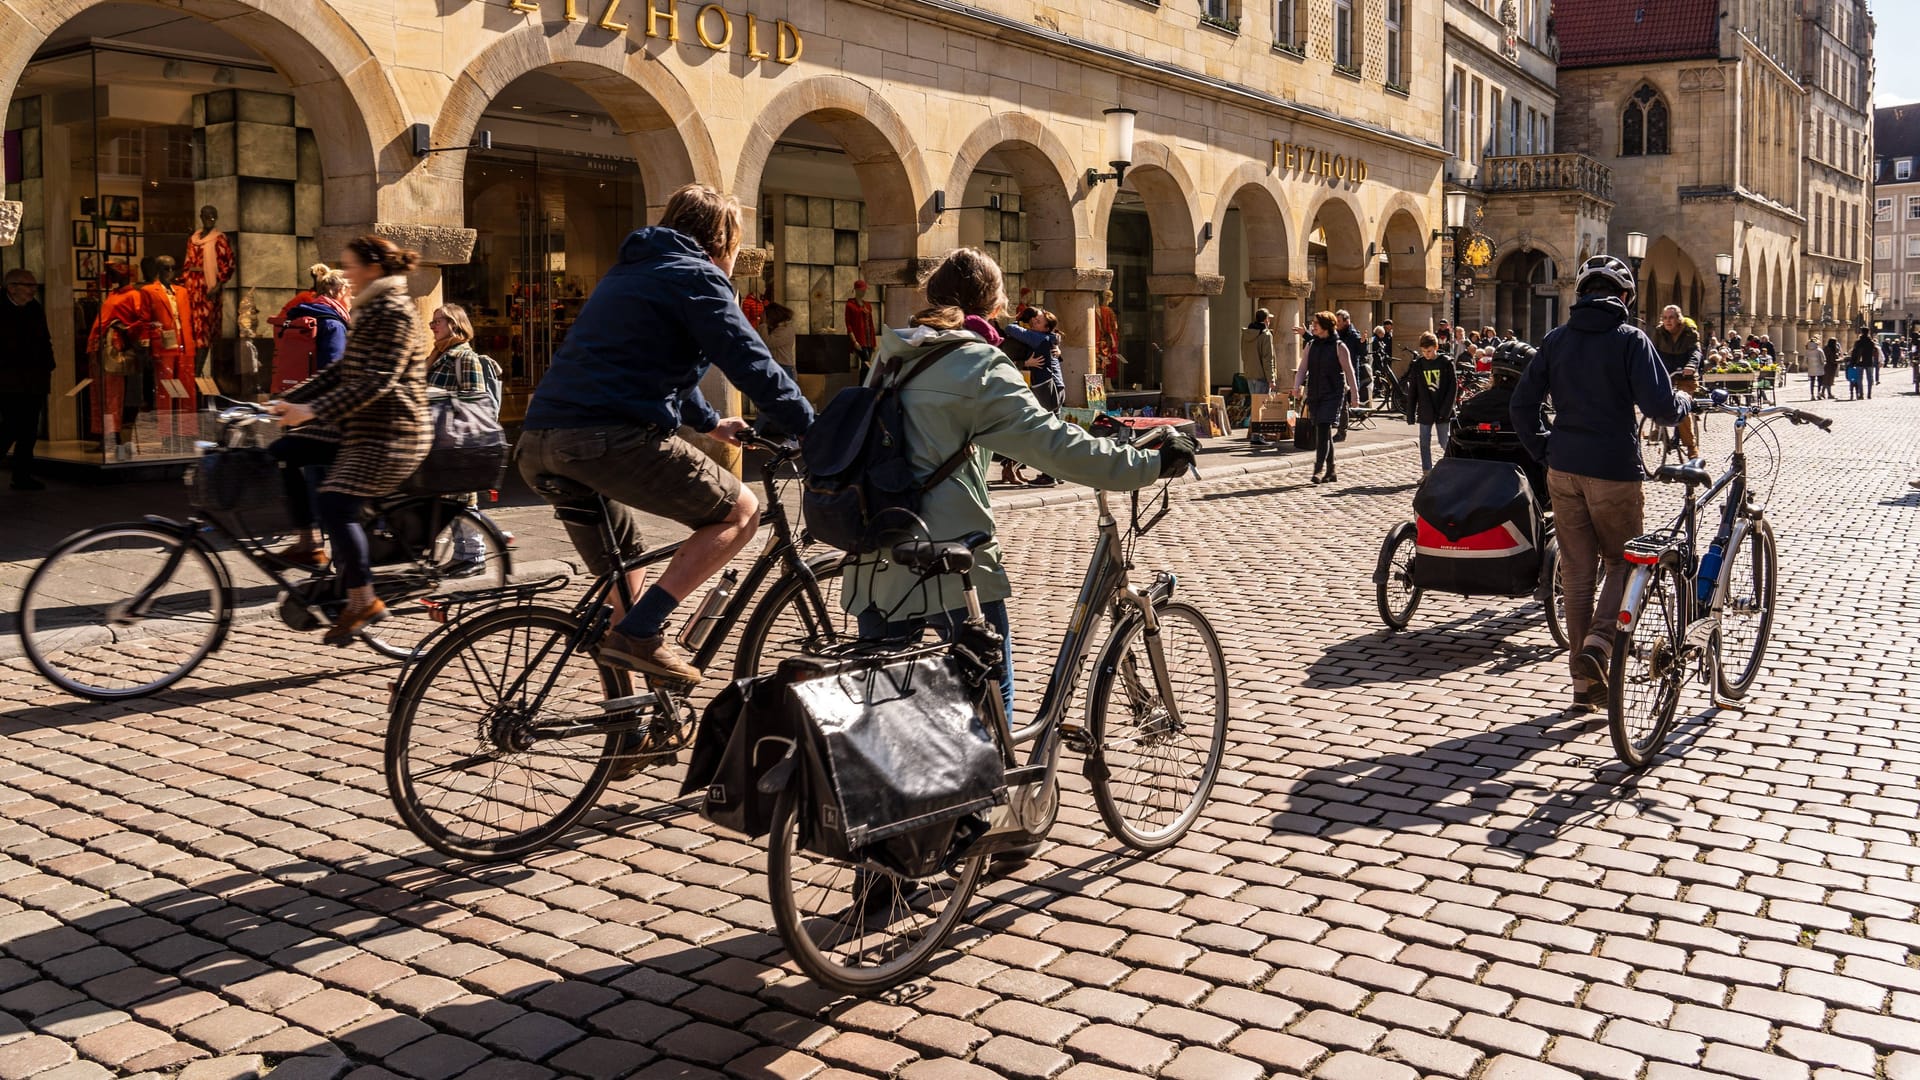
(1479, 530)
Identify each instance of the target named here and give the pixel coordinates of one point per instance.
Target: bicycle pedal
(1075, 738)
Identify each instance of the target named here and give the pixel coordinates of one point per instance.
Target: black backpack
(859, 487)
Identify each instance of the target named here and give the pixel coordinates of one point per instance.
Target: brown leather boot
(649, 656)
(352, 621)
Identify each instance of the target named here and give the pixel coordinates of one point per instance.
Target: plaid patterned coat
(375, 395)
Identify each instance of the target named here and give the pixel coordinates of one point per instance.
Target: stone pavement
(1413, 866)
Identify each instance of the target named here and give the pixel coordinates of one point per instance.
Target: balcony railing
(1547, 172)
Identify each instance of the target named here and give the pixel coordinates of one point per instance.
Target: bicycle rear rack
(441, 606)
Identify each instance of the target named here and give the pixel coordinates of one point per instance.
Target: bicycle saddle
(941, 556)
(1690, 474)
(561, 487)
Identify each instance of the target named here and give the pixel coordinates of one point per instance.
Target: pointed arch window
(1644, 124)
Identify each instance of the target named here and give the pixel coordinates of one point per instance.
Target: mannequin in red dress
(862, 327)
(174, 348)
(1106, 339)
(124, 315)
(208, 265)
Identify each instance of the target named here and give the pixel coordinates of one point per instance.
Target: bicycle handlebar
(1797, 416)
(755, 441)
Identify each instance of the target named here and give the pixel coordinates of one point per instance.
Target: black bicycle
(507, 729)
(1681, 614)
(131, 608)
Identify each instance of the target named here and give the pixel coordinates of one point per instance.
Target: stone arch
(1346, 243)
(671, 144)
(353, 107)
(1253, 191)
(1405, 242)
(1048, 181)
(883, 152)
(1166, 186)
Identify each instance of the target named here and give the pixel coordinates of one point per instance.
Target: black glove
(1177, 454)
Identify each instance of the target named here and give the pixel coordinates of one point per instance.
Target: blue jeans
(1426, 442)
(873, 625)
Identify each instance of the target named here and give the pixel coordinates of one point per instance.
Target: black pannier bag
(469, 451)
(1479, 530)
(745, 733)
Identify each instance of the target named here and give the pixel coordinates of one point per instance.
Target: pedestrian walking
(1356, 352)
(1432, 393)
(1814, 358)
(373, 405)
(453, 365)
(1598, 369)
(1678, 344)
(1326, 377)
(1874, 360)
(1829, 367)
(1038, 329)
(26, 374)
(1857, 360)
(1257, 350)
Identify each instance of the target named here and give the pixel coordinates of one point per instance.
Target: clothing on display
(207, 267)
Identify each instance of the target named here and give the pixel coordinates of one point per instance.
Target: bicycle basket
(235, 479)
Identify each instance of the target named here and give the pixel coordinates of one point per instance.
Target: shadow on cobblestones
(84, 712)
(1463, 642)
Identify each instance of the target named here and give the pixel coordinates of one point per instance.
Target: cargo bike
(1483, 523)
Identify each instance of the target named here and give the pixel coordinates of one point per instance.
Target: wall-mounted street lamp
(1723, 266)
(1455, 209)
(1119, 147)
(1636, 250)
(940, 204)
(1820, 297)
(422, 137)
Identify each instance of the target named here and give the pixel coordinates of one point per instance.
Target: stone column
(1184, 374)
(1073, 295)
(1567, 287)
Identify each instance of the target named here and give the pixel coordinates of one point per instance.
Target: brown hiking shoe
(648, 656)
(352, 621)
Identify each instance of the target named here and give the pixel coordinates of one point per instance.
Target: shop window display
(156, 208)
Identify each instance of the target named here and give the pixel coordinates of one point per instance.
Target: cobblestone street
(1413, 865)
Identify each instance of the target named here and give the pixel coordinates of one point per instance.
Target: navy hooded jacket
(645, 337)
(1597, 369)
(329, 331)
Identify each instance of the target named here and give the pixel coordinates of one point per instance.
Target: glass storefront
(1141, 314)
(550, 223)
(195, 181)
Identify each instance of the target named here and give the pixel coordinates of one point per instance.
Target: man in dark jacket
(1349, 336)
(26, 374)
(1598, 368)
(609, 410)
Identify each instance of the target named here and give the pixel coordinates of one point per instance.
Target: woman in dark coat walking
(372, 434)
(1326, 371)
(1832, 368)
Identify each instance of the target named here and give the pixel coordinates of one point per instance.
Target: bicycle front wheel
(464, 552)
(123, 610)
(1746, 611)
(855, 927)
(478, 764)
(786, 622)
(1656, 442)
(1395, 593)
(1150, 772)
(1648, 666)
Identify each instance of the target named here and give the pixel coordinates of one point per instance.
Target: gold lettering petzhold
(712, 25)
(1312, 161)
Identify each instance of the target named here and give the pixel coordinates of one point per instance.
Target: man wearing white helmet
(1597, 369)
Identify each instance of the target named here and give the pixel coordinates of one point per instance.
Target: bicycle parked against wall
(1708, 616)
(129, 609)
(1155, 732)
(506, 730)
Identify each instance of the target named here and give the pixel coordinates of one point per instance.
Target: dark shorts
(653, 471)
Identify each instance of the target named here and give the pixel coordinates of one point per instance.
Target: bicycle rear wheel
(1656, 442)
(1556, 596)
(1395, 593)
(1150, 774)
(857, 928)
(469, 766)
(122, 611)
(464, 553)
(1746, 612)
(1648, 666)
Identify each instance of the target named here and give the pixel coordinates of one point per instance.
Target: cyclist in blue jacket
(1597, 369)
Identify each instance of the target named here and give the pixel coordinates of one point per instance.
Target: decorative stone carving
(751, 262)
(1703, 78)
(1510, 24)
(438, 245)
(10, 213)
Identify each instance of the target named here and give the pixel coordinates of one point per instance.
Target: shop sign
(1311, 161)
(712, 25)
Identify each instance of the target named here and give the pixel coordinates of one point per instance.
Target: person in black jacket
(608, 412)
(1431, 394)
(26, 374)
(1598, 368)
(1349, 336)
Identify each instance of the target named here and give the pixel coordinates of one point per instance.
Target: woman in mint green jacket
(975, 395)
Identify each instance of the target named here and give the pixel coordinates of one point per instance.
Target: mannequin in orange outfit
(123, 314)
(170, 308)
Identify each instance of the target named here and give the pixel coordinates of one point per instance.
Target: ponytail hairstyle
(379, 251)
(967, 282)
